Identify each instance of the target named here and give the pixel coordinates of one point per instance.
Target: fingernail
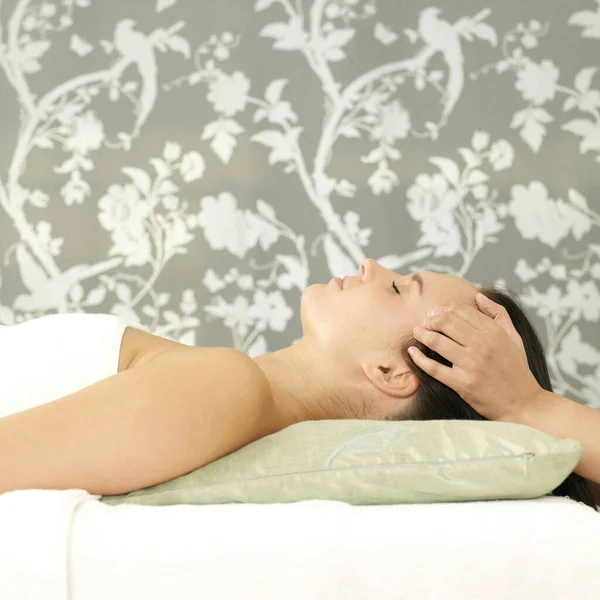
(412, 350)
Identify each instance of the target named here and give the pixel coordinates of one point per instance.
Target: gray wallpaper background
(194, 165)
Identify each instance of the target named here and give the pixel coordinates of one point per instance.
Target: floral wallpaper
(193, 166)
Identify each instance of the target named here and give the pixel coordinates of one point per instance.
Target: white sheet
(52, 356)
(66, 545)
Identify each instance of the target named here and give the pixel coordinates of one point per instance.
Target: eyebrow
(416, 277)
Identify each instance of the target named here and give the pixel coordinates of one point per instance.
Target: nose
(368, 269)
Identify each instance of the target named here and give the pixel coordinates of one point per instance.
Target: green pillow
(377, 462)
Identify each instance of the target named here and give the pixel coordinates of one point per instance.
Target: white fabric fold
(35, 530)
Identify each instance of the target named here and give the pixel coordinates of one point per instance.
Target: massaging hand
(490, 368)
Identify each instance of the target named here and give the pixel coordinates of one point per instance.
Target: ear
(393, 379)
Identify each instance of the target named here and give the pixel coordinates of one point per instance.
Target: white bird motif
(137, 47)
(440, 35)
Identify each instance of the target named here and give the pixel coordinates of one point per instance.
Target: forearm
(565, 418)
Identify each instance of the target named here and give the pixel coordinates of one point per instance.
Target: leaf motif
(140, 179)
(533, 134)
(270, 138)
(340, 37)
(384, 35)
(35, 50)
(393, 261)
(266, 211)
(335, 54)
(274, 90)
(574, 350)
(294, 276)
(79, 46)
(580, 127)
(123, 292)
(570, 103)
(584, 78)
(288, 36)
(412, 35)
(477, 177)
(541, 115)
(519, 119)
(178, 43)
(96, 296)
(223, 145)
(162, 5)
(448, 168)
(471, 159)
(263, 4)
(578, 200)
(188, 338)
(588, 130)
(258, 348)
(485, 32)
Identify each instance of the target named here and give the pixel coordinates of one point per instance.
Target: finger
(471, 315)
(454, 324)
(432, 367)
(499, 314)
(441, 344)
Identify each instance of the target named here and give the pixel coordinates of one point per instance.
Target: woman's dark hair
(435, 401)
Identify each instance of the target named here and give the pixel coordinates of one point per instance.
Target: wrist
(530, 403)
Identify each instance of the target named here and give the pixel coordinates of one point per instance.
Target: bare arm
(140, 427)
(564, 418)
(491, 373)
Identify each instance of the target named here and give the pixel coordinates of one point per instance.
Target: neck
(301, 390)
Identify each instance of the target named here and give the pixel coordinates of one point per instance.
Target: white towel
(42, 360)
(65, 545)
(52, 356)
(35, 527)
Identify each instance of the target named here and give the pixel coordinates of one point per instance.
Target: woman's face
(367, 314)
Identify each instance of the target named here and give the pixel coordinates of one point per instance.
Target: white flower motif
(122, 207)
(584, 297)
(172, 151)
(225, 226)
(212, 281)
(548, 305)
(382, 180)
(88, 134)
(432, 203)
(501, 155)
(192, 166)
(537, 83)
(539, 217)
(430, 195)
(271, 308)
(229, 94)
(394, 123)
(236, 316)
(123, 213)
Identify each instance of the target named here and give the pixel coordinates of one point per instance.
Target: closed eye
(395, 288)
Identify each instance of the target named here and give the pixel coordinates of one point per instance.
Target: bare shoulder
(140, 347)
(226, 374)
(234, 383)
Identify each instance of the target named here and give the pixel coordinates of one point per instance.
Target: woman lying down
(167, 409)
